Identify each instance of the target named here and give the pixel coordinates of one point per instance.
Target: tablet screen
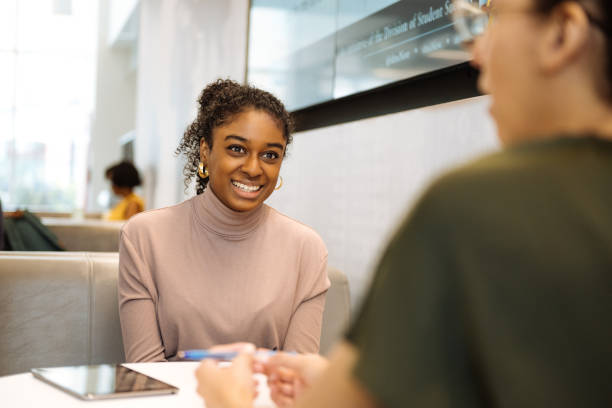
(102, 381)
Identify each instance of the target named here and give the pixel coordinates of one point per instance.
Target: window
(47, 95)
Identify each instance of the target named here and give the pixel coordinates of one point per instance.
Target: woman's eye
(236, 149)
(270, 155)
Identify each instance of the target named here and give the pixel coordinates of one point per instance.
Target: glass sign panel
(311, 51)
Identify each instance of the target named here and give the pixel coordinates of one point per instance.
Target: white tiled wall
(353, 182)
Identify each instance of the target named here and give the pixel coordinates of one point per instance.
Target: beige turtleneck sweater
(198, 274)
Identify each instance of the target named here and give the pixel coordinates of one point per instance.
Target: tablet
(92, 382)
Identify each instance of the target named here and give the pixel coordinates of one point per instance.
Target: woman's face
(507, 58)
(245, 159)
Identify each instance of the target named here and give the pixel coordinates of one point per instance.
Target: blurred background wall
(115, 104)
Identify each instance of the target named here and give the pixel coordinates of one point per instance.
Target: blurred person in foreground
(124, 178)
(497, 288)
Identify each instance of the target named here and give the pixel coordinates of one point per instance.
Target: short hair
(123, 174)
(602, 14)
(218, 103)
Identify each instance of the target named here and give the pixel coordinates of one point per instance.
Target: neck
(124, 192)
(576, 114)
(216, 217)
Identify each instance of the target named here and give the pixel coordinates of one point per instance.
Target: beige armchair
(85, 235)
(337, 310)
(58, 308)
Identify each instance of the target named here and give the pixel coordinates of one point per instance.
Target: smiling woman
(223, 266)
(219, 103)
(244, 163)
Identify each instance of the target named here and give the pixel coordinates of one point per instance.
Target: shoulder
(491, 191)
(529, 163)
(158, 221)
(479, 190)
(492, 178)
(291, 229)
(135, 198)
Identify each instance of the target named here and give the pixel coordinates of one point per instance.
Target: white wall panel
(184, 44)
(354, 182)
(115, 109)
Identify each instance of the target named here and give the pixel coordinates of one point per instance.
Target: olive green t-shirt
(497, 288)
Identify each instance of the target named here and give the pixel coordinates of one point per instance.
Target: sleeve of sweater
(137, 305)
(304, 332)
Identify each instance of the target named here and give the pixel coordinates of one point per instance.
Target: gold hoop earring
(281, 183)
(202, 171)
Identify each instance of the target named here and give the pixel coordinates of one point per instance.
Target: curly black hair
(218, 103)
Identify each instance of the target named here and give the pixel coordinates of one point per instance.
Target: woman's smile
(245, 159)
(247, 190)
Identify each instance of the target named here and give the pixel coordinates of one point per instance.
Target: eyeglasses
(471, 21)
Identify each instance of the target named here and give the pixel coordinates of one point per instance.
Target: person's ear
(564, 37)
(204, 151)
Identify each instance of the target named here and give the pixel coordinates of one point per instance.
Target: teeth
(244, 187)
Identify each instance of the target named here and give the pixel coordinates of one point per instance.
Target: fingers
(280, 399)
(284, 379)
(255, 386)
(286, 374)
(243, 363)
(224, 386)
(205, 368)
(209, 370)
(203, 373)
(286, 389)
(259, 367)
(283, 387)
(297, 371)
(286, 360)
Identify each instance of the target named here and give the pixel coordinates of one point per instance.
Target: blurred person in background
(124, 178)
(497, 288)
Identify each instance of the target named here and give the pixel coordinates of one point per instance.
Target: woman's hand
(227, 387)
(289, 375)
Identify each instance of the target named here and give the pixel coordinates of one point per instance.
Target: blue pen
(218, 355)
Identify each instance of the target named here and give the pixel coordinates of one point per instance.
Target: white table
(23, 390)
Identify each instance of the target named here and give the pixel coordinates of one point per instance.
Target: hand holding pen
(226, 352)
(288, 373)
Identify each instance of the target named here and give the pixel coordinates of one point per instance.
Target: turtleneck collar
(216, 217)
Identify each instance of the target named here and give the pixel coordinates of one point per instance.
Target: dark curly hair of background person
(218, 103)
